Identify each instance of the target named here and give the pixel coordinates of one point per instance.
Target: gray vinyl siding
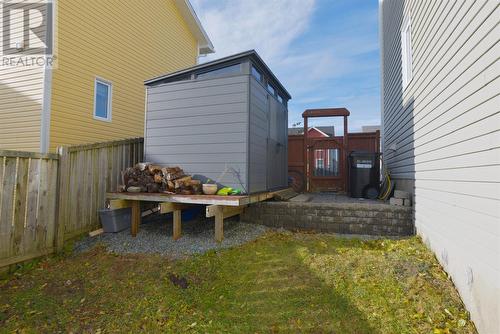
(441, 137)
(201, 126)
(259, 131)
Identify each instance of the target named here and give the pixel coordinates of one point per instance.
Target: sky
(325, 52)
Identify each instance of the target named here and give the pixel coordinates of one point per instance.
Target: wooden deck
(220, 207)
(184, 199)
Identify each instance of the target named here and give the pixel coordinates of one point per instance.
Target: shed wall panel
(268, 168)
(201, 126)
(259, 132)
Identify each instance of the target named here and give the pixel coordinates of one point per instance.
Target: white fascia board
(205, 45)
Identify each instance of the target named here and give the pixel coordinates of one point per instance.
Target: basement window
(102, 100)
(406, 53)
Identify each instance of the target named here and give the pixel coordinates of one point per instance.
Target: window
(271, 89)
(102, 100)
(228, 70)
(406, 53)
(179, 78)
(257, 75)
(280, 99)
(327, 162)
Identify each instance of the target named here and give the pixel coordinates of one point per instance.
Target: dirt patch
(180, 282)
(61, 290)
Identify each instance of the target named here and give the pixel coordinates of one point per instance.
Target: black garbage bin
(364, 174)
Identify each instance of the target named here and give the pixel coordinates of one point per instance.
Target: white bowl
(209, 188)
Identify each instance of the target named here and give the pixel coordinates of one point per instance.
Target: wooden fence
(46, 199)
(28, 192)
(87, 173)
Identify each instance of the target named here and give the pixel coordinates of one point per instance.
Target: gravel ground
(155, 236)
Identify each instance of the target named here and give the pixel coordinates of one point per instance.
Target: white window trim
(406, 53)
(110, 99)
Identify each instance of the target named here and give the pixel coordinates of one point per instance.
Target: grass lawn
(281, 283)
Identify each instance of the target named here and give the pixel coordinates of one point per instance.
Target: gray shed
(225, 120)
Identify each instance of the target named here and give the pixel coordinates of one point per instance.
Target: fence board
(47, 198)
(52, 174)
(6, 214)
(32, 205)
(20, 192)
(88, 206)
(43, 208)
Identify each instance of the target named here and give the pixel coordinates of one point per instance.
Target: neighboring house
(370, 128)
(105, 50)
(321, 131)
(325, 161)
(441, 135)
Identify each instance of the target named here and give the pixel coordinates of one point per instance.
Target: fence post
(62, 196)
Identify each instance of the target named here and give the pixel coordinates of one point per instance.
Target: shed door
(276, 145)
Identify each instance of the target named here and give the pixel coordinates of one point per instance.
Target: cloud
(269, 26)
(324, 52)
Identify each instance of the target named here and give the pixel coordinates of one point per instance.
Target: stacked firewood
(150, 178)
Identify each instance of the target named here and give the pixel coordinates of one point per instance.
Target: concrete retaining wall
(363, 219)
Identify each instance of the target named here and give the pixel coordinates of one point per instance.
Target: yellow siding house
(104, 51)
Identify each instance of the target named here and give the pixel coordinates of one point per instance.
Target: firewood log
(158, 178)
(154, 169)
(183, 182)
(172, 173)
(153, 178)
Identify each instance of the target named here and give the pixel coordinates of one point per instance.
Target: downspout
(47, 90)
(306, 155)
(381, 55)
(46, 103)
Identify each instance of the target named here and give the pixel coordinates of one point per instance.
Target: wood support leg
(176, 210)
(219, 225)
(136, 217)
(221, 212)
(177, 224)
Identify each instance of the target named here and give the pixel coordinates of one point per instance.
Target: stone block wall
(343, 218)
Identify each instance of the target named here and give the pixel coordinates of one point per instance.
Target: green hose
(386, 191)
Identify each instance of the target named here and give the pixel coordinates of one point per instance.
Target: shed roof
(326, 112)
(251, 54)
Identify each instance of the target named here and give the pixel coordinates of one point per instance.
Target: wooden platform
(220, 207)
